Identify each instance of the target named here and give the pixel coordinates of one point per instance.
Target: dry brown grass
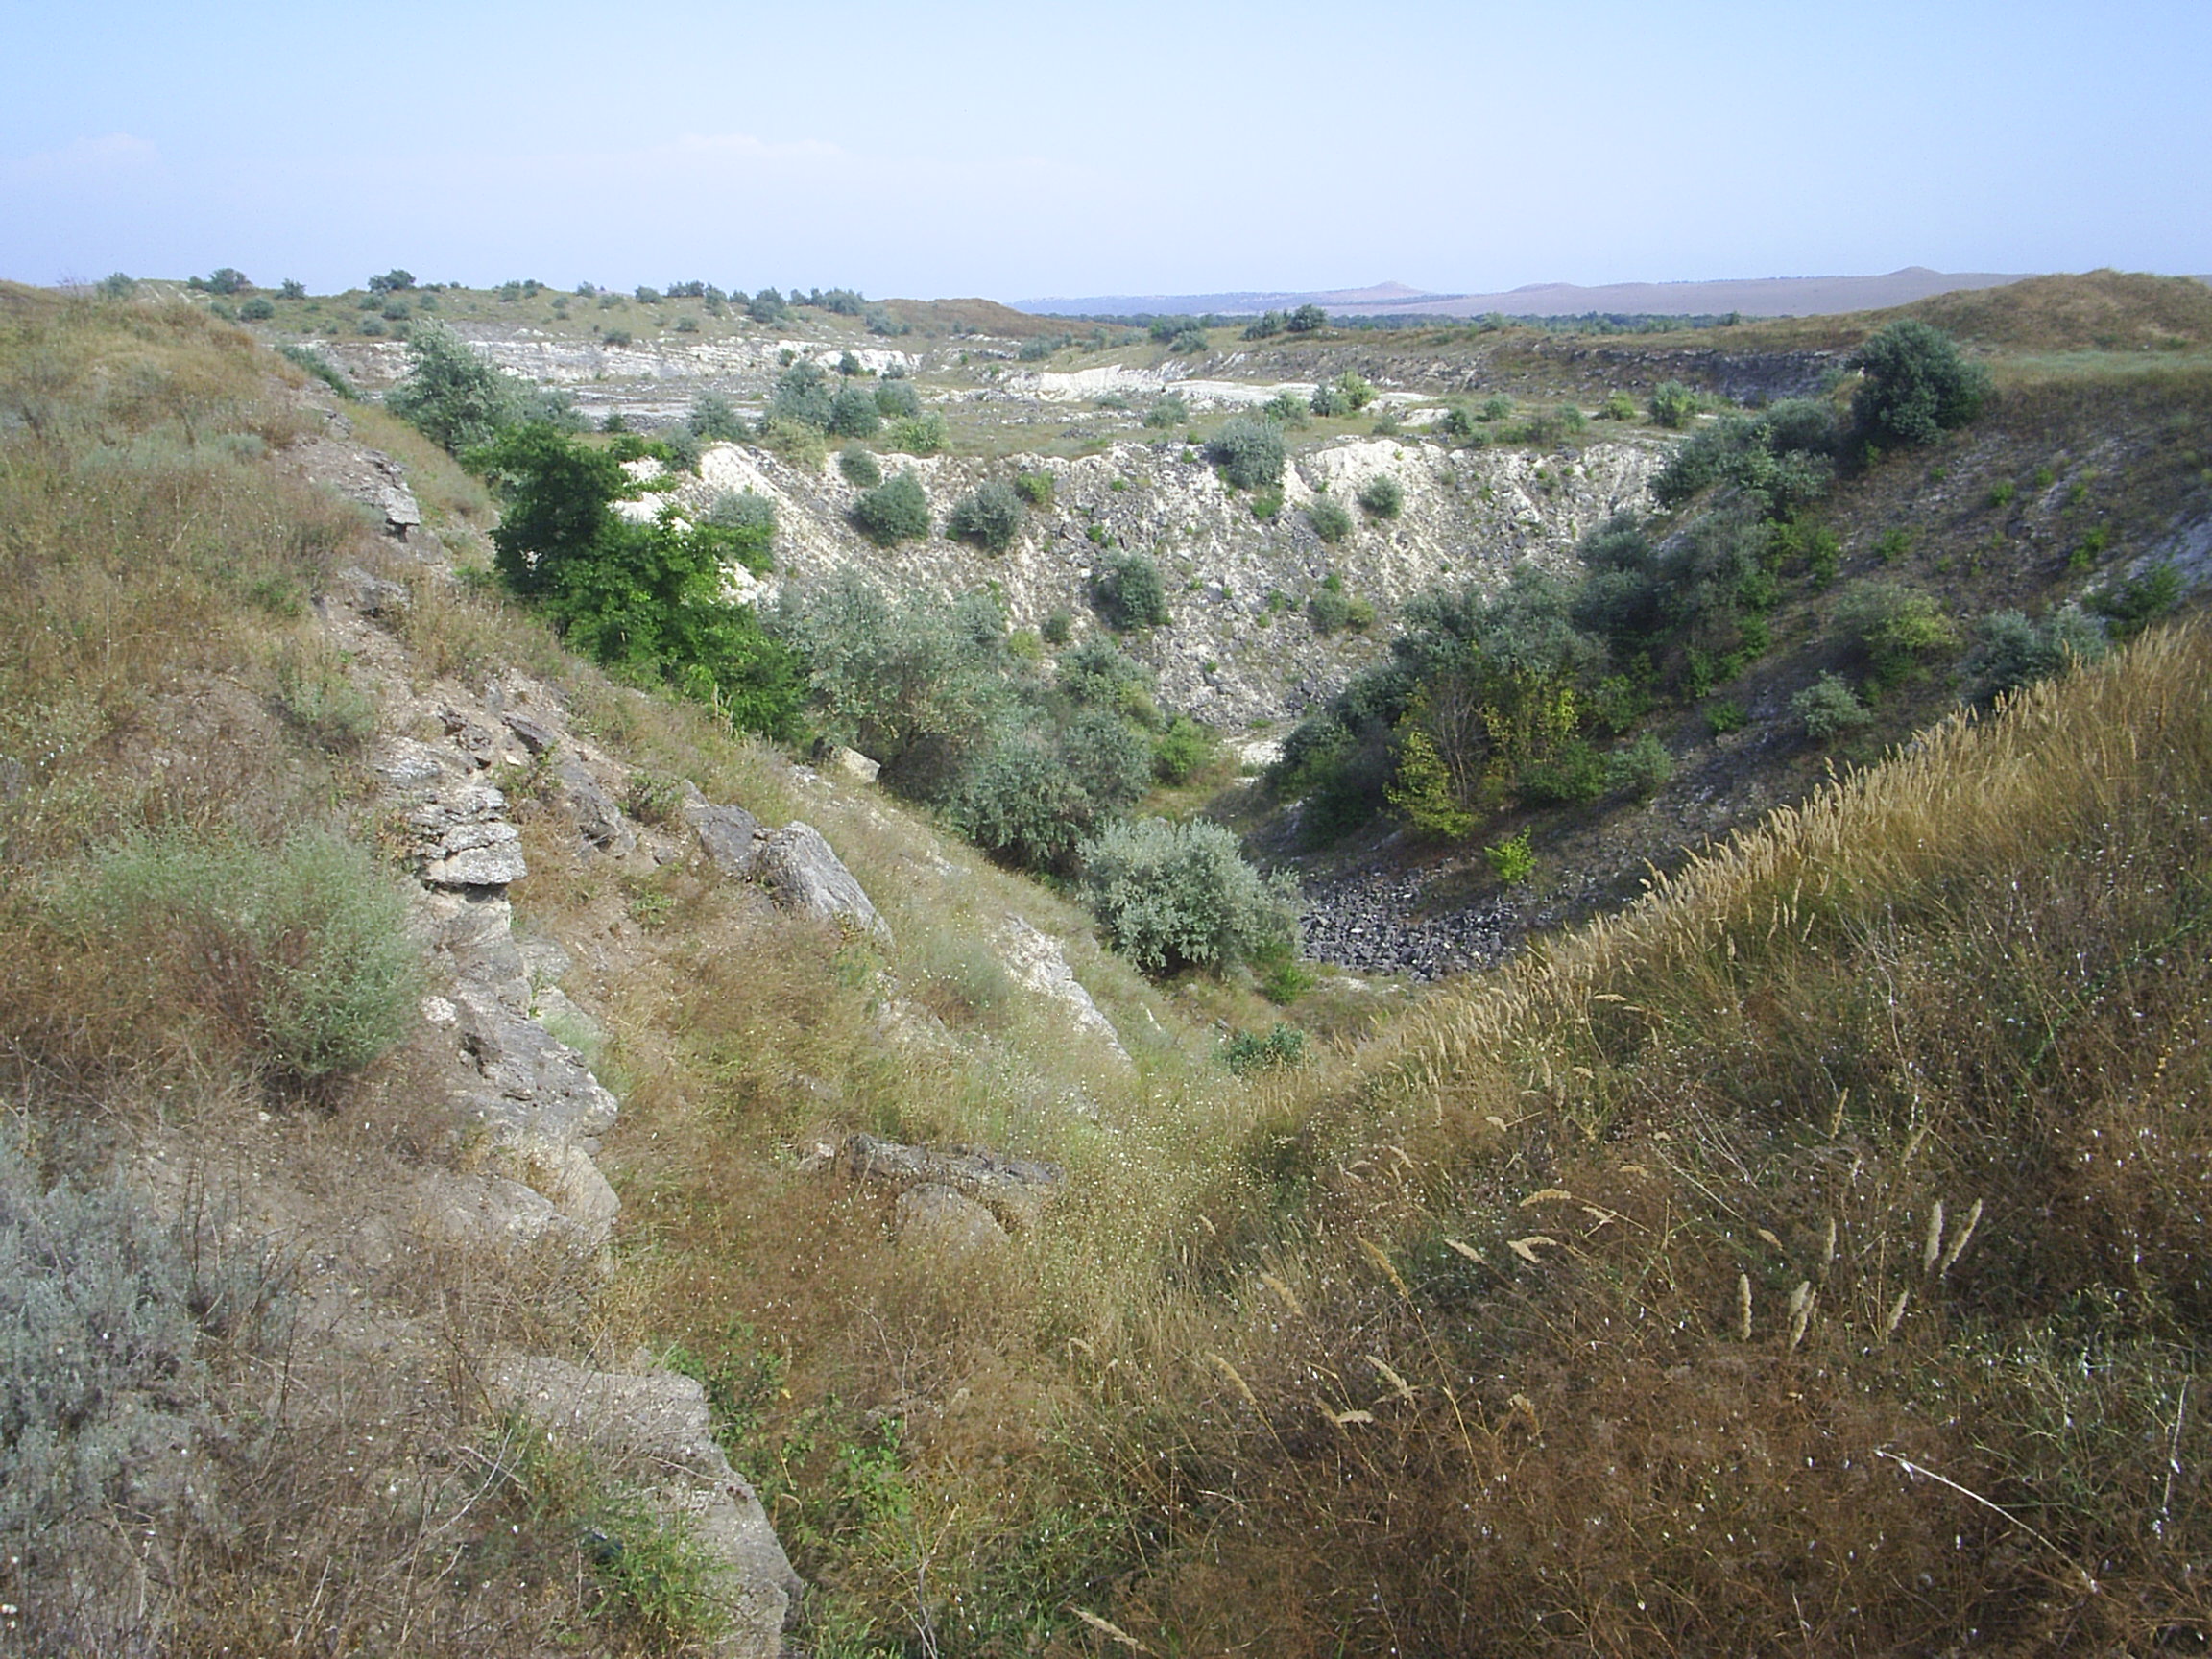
(1969, 983)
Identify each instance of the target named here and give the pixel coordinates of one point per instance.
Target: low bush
(1898, 627)
(1173, 896)
(1674, 405)
(2133, 604)
(1129, 592)
(1828, 708)
(715, 419)
(852, 413)
(1251, 1052)
(990, 516)
(1330, 519)
(1382, 496)
(318, 696)
(297, 956)
(894, 511)
(1170, 412)
(803, 396)
(747, 518)
(897, 400)
(1036, 489)
(919, 434)
(801, 446)
(2010, 651)
(1182, 751)
(1250, 452)
(102, 1396)
(859, 467)
(1511, 860)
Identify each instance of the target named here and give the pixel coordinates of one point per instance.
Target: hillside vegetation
(1807, 1255)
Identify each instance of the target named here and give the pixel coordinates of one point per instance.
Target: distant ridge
(1751, 297)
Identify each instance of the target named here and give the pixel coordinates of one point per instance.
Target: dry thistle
(1800, 1311)
(1743, 1307)
(1524, 1408)
(1389, 1269)
(1959, 1243)
(1403, 1388)
(1236, 1377)
(1933, 1246)
(1112, 1631)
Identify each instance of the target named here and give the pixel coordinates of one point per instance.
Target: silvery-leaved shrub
(1173, 895)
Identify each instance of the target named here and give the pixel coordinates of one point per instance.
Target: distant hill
(1755, 297)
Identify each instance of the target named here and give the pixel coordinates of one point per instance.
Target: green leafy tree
(451, 395)
(1916, 386)
(1306, 320)
(646, 600)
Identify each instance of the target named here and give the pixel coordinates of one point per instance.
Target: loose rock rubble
(1373, 922)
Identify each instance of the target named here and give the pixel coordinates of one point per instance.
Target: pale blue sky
(1122, 147)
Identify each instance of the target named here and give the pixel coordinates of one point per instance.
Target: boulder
(1039, 963)
(543, 1110)
(803, 876)
(855, 765)
(934, 1217)
(651, 1428)
(1015, 1190)
(597, 816)
(726, 835)
(463, 839)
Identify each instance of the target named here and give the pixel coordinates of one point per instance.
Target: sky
(1123, 147)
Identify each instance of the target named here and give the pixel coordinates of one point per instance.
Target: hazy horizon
(1129, 149)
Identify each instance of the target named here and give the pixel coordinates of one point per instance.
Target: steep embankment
(1239, 650)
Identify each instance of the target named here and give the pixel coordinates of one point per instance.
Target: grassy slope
(1970, 984)
(1966, 976)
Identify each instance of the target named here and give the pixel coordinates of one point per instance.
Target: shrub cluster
(894, 511)
(990, 516)
(1250, 452)
(1129, 592)
(1181, 894)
